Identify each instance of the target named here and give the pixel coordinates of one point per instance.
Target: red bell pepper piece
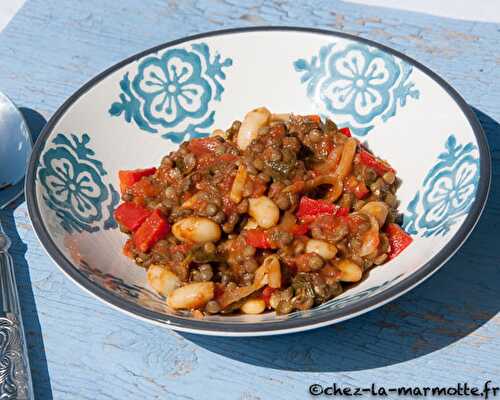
(308, 206)
(131, 215)
(266, 294)
(361, 191)
(379, 166)
(128, 178)
(345, 131)
(309, 209)
(203, 146)
(257, 238)
(398, 239)
(342, 212)
(358, 188)
(309, 219)
(299, 230)
(154, 228)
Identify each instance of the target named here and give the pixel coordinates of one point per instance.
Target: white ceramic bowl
(135, 112)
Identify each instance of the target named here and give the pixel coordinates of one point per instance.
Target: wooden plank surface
(445, 331)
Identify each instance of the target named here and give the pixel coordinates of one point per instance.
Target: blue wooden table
(445, 331)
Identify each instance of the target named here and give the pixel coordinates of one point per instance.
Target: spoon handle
(15, 376)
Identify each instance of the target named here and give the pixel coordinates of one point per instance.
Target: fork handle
(15, 376)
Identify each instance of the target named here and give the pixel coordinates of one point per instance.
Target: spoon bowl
(15, 150)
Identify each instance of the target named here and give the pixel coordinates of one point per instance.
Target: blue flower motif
(172, 88)
(173, 92)
(73, 185)
(359, 82)
(356, 85)
(448, 191)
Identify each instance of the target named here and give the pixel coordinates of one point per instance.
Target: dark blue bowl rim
(294, 324)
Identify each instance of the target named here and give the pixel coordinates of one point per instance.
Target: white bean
(326, 250)
(249, 128)
(264, 211)
(194, 295)
(349, 271)
(196, 229)
(253, 306)
(377, 209)
(162, 280)
(238, 184)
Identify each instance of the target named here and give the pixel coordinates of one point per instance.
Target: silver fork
(15, 148)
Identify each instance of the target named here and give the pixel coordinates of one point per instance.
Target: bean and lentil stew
(279, 212)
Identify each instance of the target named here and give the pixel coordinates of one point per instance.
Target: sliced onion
(330, 164)
(269, 273)
(336, 191)
(280, 117)
(346, 159)
(240, 179)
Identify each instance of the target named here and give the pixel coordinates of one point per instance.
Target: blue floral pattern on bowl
(73, 185)
(357, 85)
(174, 93)
(448, 190)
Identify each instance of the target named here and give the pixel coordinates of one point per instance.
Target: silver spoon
(15, 149)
